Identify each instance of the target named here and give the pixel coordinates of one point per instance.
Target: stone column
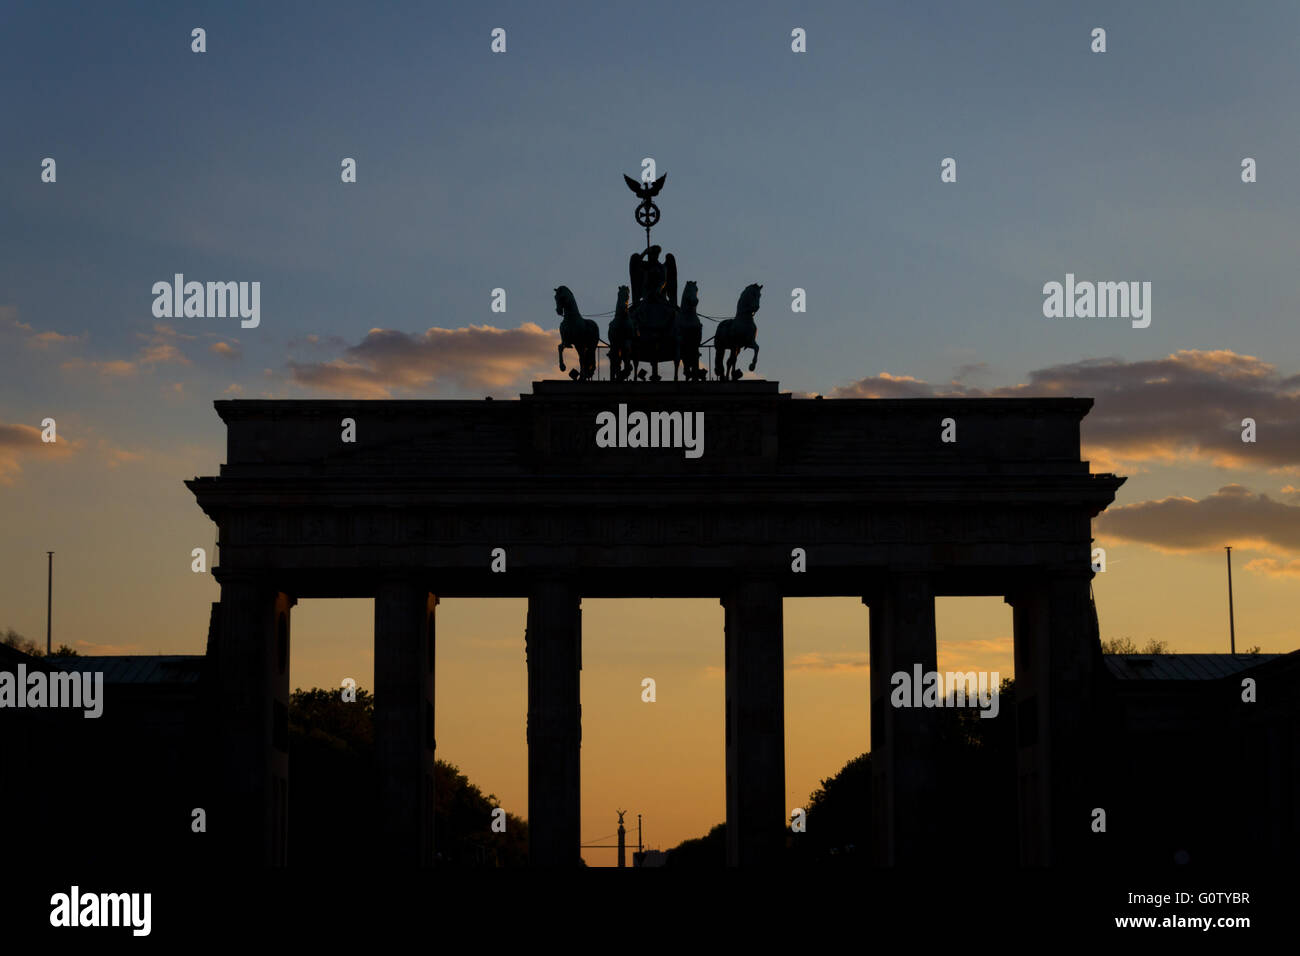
(248, 655)
(404, 743)
(904, 740)
(1058, 656)
(554, 651)
(755, 675)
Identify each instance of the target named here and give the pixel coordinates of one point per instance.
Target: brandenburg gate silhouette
(885, 510)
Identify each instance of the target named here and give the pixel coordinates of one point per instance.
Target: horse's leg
(754, 361)
(560, 349)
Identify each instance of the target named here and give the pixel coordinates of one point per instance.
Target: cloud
(18, 441)
(32, 338)
(117, 456)
(1233, 515)
(474, 357)
(841, 661)
(111, 369)
(162, 353)
(970, 368)
(885, 385)
(1186, 406)
(43, 340)
(161, 347)
(225, 349)
(314, 340)
(1275, 568)
(976, 654)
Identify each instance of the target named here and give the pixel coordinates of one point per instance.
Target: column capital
(1037, 583)
(766, 583)
(890, 579)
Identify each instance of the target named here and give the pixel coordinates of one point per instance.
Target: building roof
(1182, 666)
(136, 668)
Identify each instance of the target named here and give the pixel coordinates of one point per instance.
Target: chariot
(650, 325)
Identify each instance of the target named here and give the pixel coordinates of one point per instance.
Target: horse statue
(620, 339)
(687, 332)
(736, 334)
(581, 334)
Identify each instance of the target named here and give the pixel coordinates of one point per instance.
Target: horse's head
(748, 303)
(621, 304)
(690, 297)
(564, 300)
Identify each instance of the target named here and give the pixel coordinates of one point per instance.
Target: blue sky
(818, 171)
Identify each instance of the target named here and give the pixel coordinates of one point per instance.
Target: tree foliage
(334, 802)
(976, 793)
(1125, 645)
(707, 851)
(19, 643)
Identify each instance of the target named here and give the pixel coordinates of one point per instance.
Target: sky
(477, 170)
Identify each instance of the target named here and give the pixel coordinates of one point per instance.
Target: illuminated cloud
(977, 654)
(18, 442)
(1233, 515)
(43, 340)
(829, 661)
(21, 443)
(162, 353)
(111, 369)
(1186, 406)
(1275, 568)
(225, 349)
(475, 357)
(31, 338)
(161, 347)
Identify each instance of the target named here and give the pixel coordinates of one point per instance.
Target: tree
(21, 644)
(839, 817)
(701, 852)
(975, 793)
(1125, 645)
(333, 802)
